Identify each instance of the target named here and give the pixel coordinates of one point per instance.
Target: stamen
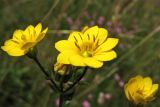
(75, 39)
(80, 36)
(88, 36)
(77, 45)
(94, 38)
(96, 44)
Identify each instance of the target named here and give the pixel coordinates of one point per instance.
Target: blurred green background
(135, 22)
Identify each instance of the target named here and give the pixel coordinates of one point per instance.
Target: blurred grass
(21, 83)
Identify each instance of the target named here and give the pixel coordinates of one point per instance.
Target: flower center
(87, 54)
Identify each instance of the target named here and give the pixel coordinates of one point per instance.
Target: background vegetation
(135, 22)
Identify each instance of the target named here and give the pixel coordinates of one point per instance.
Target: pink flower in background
(70, 20)
(118, 30)
(121, 84)
(83, 79)
(101, 20)
(56, 102)
(86, 104)
(108, 96)
(103, 97)
(117, 77)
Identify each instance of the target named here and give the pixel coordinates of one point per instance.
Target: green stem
(62, 95)
(84, 72)
(61, 101)
(46, 74)
(40, 66)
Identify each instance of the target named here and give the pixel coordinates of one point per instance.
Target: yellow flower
(87, 48)
(23, 41)
(140, 90)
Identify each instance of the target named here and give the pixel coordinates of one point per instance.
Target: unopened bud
(61, 69)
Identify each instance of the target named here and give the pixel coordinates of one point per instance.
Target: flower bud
(61, 69)
(140, 90)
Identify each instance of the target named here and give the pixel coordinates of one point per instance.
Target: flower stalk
(68, 93)
(65, 95)
(77, 81)
(45, 73)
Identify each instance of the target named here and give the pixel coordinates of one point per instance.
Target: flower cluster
(89, 48)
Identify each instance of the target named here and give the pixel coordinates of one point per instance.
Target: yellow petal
(13, 51)
(90, 34)
(105, 56)
(151, 94)
(154, 89)
(140, 85)
(64, 45)
(29, 34)
(45, 31)
(93, 63)
(147, 83)
(63, 57)
(76, 37)
(138, 78)
(102, 35)
(29, 30)
(9, 44)
(41, 35)
(127, 92)
(93, 30)
(13, 48)
(16, 52)
(138, 98)
(133, 84)
(109, 44)
(17, 35)
(131, 96)
(38, 28)
(76, 60)
(84, 29)
(139, 82)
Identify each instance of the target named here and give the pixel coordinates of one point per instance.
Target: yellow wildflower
(23, 41)
(140, 90)
(87, 48)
